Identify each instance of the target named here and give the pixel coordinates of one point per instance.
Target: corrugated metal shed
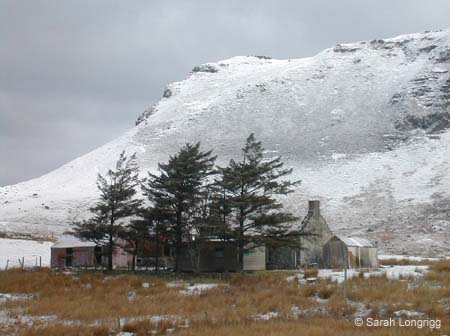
(354, 252)
(356, 241)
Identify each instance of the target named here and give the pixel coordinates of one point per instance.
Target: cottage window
(219, 253)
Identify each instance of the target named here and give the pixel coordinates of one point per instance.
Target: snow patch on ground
(191, 289)
(361, 309)
(175, 284)
(294, 277)
(30, 250)
(153, 319)
(395, 272)
(404, 257)
(267, 316)
(4, 297)
(391, 272)
(197, 289)
(408, 313)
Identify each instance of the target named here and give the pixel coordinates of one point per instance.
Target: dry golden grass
(442, 265)
(95, 301)
(310, 327)
(394, 261)
(61, 329)
(325, 290)
(143, 327)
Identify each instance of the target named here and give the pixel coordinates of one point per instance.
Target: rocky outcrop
(431, 123)
(145, 115)
(205, 68)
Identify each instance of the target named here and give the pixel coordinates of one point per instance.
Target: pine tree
(178, 191)
(217, 222)
(151, 226)
(135, 235)
(250, 187)
(117, 202)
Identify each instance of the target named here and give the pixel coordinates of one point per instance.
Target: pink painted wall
(121, 258)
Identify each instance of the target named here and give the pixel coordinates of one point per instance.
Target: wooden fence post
(22, 262)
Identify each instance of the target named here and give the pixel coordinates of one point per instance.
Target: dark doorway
(219, 254)
(98, 255)
(69, 257)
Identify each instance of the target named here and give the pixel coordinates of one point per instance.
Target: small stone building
(359, 252)
(317, 234)
(309, 247)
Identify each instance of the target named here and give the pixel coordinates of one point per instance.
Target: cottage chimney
(314, 208)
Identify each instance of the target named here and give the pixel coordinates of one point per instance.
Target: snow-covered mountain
(366, 126)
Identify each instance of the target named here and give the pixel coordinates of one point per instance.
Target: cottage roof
(356, 241)
(67, 241)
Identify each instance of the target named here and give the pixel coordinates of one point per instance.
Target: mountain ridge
(365, 125)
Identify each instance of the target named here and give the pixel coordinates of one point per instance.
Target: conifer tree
(117, 202)
(217, 223)
(178, 191)
(152, 227)
(134, 235)
(250, 187)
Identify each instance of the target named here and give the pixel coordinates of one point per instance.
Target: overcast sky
(76, 74)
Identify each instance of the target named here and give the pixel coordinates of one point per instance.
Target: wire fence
(34, 261)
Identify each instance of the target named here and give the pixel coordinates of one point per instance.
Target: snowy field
(30, 250)
(404, 257)
(392, 272)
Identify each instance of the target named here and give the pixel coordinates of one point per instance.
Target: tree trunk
(133, 261)
(241, 256)
(197, 256)
(110, 253)
(178, 243)
(241, 241)
(110, 258)
(111, 241)
(177, 256)
(157, 252)
(194, 254)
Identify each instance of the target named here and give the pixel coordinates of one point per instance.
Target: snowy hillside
(366, 126)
